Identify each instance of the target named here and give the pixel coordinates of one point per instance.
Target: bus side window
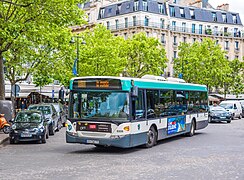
(138, 106)
(152, 104)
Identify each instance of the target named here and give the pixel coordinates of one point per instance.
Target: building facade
(172, 22)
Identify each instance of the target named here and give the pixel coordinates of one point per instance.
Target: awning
(211, 98)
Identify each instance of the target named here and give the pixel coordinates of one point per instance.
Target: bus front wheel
(151, 137)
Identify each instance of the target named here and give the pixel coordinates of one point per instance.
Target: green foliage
(36, 32)
(202, 63)
(143, 56)
(100, 55)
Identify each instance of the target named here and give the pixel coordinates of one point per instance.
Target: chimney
(224, 7)
(197, 3)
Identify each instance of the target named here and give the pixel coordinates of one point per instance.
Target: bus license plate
(92, 141)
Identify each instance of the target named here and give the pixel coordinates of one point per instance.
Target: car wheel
(47, 133)
(233, 116)
(151, 137)
(6, 129)
(240, 116)
(51, 130)
(192, 130)
(11, 141)
(228, 121)
(209, 119)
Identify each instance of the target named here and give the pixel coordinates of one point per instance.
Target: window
(152, 104)
(118, 9)
(193, 30)
(234, 19)
(183, 27)
(163, 38)
(200, 29)
(108, 25)
(224, 18)
(184, 39)
(110, 10)
(125, 35)
(161, 8)
(217, 42)
(117, 24)
(146, 21)
(172, 11)
(175, 54)
(194, 40)
(102, 13)
(182, 12)
(236, 45)
(138, 106)
(192, 13)
(173, 25)
(162, 23)
(134, 20)
(165, 100)
(226, 45)
(175, 40)
(88, 17)
(126, 22)
(214, 17)
(136, 5)
(144, 5)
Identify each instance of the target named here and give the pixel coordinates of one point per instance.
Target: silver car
(61, 113)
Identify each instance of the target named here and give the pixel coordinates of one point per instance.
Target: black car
(50, 113)
(29, 126)
(218, 114)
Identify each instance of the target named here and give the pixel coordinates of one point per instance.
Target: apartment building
(172, 22)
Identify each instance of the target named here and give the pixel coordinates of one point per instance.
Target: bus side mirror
(134, 91)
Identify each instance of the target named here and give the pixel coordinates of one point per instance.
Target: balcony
(237, 50)
(227, 48)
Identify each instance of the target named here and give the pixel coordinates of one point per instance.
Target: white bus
(128, 112)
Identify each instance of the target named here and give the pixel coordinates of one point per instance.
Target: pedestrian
(23, 106)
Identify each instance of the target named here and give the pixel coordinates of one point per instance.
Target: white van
(234, 107)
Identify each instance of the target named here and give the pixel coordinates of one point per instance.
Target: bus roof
(146, 83)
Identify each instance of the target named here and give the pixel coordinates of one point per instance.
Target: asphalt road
(216, 152)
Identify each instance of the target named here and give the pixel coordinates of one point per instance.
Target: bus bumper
(123, 142)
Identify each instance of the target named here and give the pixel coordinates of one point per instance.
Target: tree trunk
(2, 83)
(13, 98)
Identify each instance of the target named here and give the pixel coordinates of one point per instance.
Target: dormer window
(172, 11)
(136, 5)
(234, 19)
(161, 8)
(214, 16)
(192, 13)
(182, 12)
(224, 18)
(144, 5)
(102, 13)
(110, 10)
(118, 9)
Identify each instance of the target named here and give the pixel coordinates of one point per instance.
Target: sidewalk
(3, 137)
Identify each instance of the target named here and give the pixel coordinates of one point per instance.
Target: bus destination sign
(97, 84)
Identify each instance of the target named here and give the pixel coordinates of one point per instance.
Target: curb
(4, 140)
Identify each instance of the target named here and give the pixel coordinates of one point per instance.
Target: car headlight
(41, 127)
(13, 126)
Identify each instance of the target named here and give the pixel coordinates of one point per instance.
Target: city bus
(127, 112)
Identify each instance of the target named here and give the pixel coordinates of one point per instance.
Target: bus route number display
(102, 84)
(97, 84)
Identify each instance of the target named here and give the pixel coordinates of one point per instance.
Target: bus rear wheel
(151, 137)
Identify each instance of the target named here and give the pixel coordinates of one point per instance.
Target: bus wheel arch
(152, 136)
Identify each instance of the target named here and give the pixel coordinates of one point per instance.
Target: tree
(202, 63)
(33, 20)
(235, 84)
(143, 56)
(100, 55)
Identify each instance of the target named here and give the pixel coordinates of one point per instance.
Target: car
(61, 113)
(50, 113)
(218, 114)
(242, 106)
(29, 125)
(234, 107)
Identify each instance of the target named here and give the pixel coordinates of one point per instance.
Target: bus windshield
(99, 105)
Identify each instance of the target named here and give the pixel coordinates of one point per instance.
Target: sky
(235, 6)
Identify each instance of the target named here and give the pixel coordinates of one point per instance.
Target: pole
(77, 48)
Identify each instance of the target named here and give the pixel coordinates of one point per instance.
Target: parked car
(234, 107)
(50, 113)
(29, 125)
(61, 113)
(218, 114)
(242, 106)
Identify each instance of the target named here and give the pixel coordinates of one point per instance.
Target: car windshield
(217, 109)
(227, 106)
(57, 107)
(28, 117)
(100, 105)
(45, 109)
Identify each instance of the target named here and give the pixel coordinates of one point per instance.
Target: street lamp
(73, 40)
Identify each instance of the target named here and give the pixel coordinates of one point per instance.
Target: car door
(54, 116)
